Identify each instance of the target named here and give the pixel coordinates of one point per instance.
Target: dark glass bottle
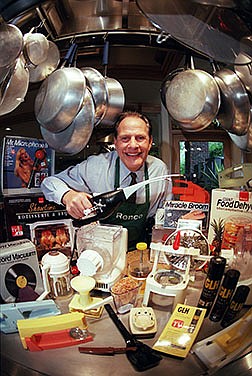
(225, 294)
(235, 305)
(212, 282)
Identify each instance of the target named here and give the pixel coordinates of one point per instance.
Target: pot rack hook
(162, 37)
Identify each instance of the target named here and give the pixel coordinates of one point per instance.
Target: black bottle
(212, 282)
(235, 305)
(225, 294)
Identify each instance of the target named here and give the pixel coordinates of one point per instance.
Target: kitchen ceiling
(138, 47)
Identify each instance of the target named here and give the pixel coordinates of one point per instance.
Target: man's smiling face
(133, 142)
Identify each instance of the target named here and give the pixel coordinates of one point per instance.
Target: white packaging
(19, 269)
(234, 207)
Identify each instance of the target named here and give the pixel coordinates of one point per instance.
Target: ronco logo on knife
(244, 196)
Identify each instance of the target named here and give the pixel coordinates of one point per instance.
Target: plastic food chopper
(172, 281)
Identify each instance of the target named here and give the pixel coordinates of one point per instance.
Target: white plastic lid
(57, 261)
(89, 262)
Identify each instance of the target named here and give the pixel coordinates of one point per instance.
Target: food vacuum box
(25, 163)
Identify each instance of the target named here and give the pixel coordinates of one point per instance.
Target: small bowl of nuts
(125, 293)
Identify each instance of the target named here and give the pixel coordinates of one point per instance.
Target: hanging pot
(234, 113)
(35, 49)
(16, 87)
(115, 101)
(193, 99)
(44, 69)
(60, 97)
(96, 82)
(11, 44)
(243, 142)
(243, 66)
(75, 137)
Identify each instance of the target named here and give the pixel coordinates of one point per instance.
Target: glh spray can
(225, 294)
(212, 283)
(235, 305)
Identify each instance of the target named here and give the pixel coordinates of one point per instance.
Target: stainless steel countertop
(15, 360)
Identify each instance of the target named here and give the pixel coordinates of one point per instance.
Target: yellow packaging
(181, 330)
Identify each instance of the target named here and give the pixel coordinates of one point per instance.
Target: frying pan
(144, 357)
(11, 44)
(115, 101)
(234, 113)
(44, 69)
(192, 99)
(75, 137)
(16, 87)
(36, 48)
(243, 66)
(60, 96)
(96, 83)
(243, 142)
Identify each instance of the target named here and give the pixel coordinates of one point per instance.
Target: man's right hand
(76, 203)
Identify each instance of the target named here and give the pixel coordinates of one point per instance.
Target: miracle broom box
(25, 163)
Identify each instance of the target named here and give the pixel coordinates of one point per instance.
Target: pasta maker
(101, 253)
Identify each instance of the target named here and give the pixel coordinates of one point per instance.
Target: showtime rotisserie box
(33, 217)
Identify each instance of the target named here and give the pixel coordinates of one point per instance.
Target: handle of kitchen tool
(105, 57)
(73, 55)
(68, 55)
(129, 338)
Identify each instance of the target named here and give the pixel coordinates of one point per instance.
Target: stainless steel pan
(11, 44)
(96, 82)
(243, 66)
(16, 87)
(243, 142)
(44, 69)
(115, 101)
(234, 113)
(60, 96)
(36, 47)
(193, 99)
(76, 136)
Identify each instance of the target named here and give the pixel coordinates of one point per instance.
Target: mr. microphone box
(19, 272)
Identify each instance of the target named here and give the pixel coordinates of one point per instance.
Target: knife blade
(106, 350)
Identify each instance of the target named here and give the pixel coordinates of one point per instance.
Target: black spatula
(144, 357)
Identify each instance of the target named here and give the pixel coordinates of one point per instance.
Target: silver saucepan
(234, 113)
(193, 99)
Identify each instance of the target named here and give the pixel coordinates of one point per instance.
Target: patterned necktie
(132, 198)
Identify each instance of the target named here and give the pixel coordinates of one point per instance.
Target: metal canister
(225, 294)
(235, 305)
(212, 282)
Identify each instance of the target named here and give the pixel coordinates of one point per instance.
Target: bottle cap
(141, 246)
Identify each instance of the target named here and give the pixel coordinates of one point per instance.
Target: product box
(181, 330)
(52, 235)
(231, 213)
(25, 163)
(19, 272)
(175, 210)
(21, 211)
(233, 210)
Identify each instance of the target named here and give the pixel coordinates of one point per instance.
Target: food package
(231, 219)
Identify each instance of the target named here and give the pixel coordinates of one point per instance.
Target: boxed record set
(19, 272)
(25, 163)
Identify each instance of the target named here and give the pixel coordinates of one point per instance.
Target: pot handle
(68, 55)
(105, 57)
